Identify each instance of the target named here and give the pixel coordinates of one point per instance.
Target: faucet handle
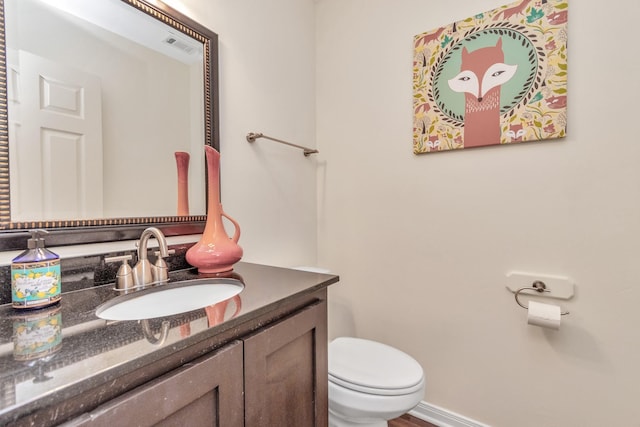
(160, 270)
(170, 252)
(124, 276)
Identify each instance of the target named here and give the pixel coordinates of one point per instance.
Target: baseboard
(443, 417)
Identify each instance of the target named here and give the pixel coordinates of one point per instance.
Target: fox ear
(465, 52)
(499, 43)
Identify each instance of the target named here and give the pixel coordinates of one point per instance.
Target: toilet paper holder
(537, 286)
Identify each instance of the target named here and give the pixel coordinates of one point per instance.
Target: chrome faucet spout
(144, 241)
(143, 272)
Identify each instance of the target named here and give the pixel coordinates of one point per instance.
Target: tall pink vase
(182, 164)
(216, 251)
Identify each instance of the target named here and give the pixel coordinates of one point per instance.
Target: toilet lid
(373, 367)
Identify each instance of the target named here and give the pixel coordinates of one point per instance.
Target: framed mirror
(97, 101)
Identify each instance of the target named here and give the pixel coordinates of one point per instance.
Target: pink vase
(215, 252)
(182, 163)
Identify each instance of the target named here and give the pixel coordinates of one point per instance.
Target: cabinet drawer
(206, 392)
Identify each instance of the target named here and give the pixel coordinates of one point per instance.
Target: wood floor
(408, 421)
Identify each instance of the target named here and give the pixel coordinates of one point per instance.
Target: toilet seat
(373, 368)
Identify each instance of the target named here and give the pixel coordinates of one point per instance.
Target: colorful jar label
(35, 284)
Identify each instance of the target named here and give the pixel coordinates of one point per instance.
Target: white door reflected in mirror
(56, 142)
(150, 104)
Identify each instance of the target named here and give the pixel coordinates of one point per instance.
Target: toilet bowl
(371, 383)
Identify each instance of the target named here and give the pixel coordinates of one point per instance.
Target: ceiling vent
(179, 44)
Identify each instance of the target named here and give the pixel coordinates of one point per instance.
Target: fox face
(516, 132)
(481, 71)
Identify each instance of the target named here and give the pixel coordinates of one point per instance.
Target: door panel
(58, 141)
(286, 372)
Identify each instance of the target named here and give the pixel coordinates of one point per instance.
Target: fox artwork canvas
(499, 77)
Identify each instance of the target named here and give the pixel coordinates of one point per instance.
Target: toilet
(371, 383)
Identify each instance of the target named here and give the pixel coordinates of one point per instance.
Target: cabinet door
(286, 371)
(207, 392)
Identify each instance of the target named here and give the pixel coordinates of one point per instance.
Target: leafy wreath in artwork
(535, 56)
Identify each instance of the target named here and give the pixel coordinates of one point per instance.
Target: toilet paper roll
(545, 315)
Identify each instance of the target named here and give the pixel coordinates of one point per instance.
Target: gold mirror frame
(106, 229)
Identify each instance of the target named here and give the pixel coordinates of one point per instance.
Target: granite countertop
(53, 354)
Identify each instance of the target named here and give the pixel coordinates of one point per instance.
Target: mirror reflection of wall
(137, 107)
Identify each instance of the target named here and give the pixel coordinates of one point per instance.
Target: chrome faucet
(144, 273)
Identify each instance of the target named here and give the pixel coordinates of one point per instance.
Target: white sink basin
(169, 299)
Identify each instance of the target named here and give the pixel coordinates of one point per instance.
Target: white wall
(422, 243)
(267, 84)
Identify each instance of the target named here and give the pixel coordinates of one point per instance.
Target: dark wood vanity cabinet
(275, 375)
